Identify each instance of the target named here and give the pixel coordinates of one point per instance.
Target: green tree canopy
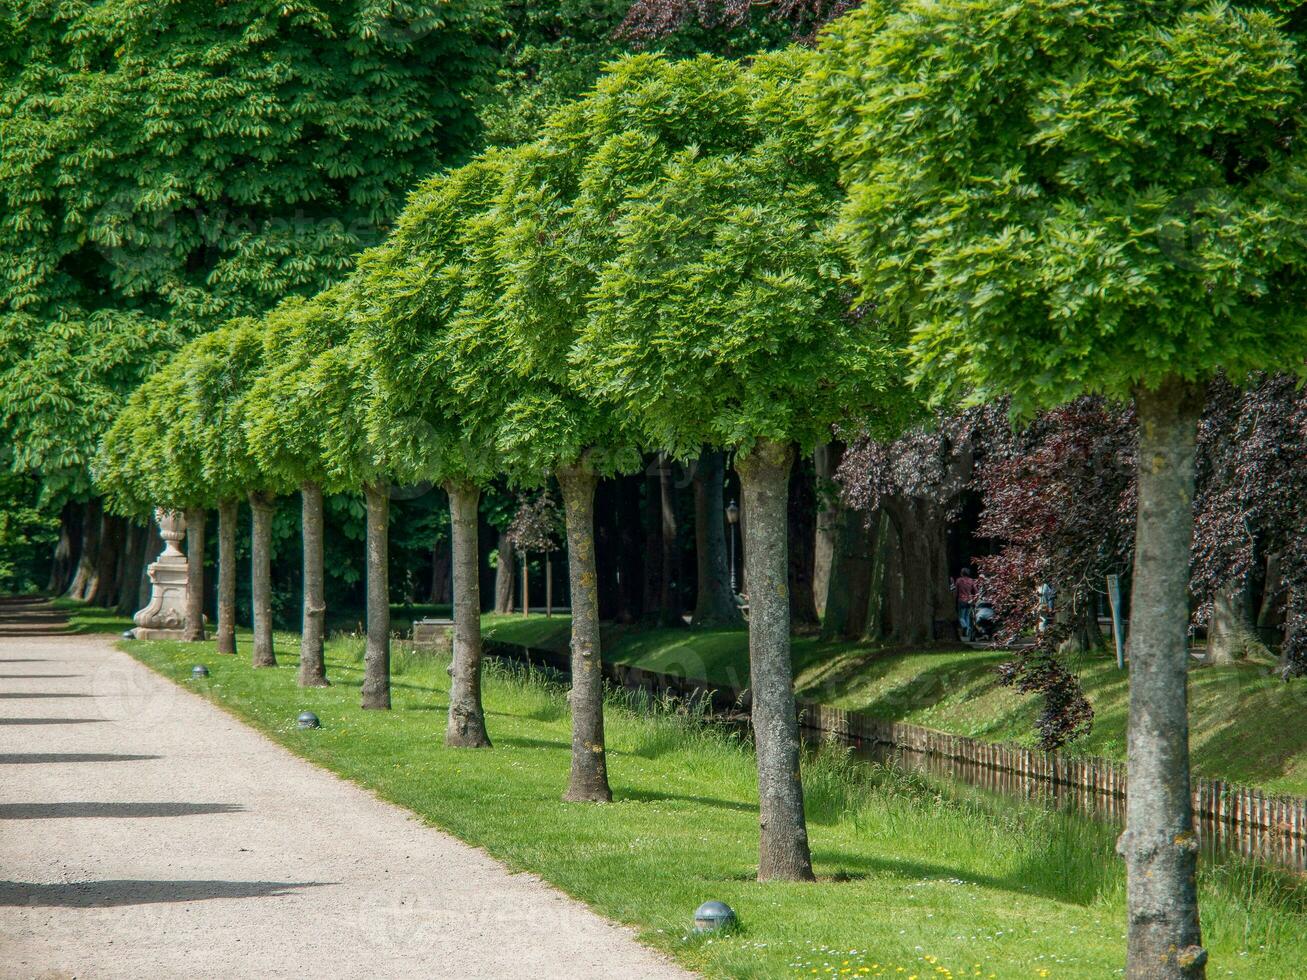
(219, 370)
(434, 426)
(1066, 198)
(148, 457)
(181, 164)
(721, 313)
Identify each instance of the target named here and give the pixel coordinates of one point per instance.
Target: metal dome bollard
(308, 719)
(198, 671)
(713, 916)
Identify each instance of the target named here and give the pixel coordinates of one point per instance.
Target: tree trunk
(62, 563)
(504, 573)
(228, 516)
(1270, 614)
(1159, 844)
(440, 572)
(669, 598)
(874, 625)
(783, 845)
(801, 515)
(467, 718)
(261, 579)
(376, 656)
(313, 632)
(154, 547)
(588, 781)
(135, 543)
(849, 580)
(653, 530)
(629, 572)
(715, 605)
(195, 575)
(917, 591)
(1082, 618)
(88, 553)
(1232, 635)
(105, 591)
(831, 525)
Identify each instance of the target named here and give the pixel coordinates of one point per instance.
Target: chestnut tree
(1064, 199)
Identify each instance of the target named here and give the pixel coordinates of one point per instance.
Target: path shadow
(106, 894)
(25, 758)
(649, 796)
(24, 695)
(24, 677)
(50, 721)
(25, 660)
(46, 811)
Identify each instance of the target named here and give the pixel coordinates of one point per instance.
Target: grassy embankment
(1246, 725)
(916, 879)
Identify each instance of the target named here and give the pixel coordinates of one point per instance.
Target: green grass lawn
(1245, 724)
(915, 881)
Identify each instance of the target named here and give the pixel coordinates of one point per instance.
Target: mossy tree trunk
(376, 655)
(1232, 635)
(801, 550)
(313, 665)
(87, 552)
(104, 590)
(783, 845)
(588, 780)
(826, 460)
(715, 605)
(134, 562)
(1159, 844)
(669, 593)
(467, 718)
(504, 573)
(261, 579)
(195, 520)
(228, 516)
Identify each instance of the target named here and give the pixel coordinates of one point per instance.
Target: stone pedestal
(433, 635)
(165, 617)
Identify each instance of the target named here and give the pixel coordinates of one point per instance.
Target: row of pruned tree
(1024, 202)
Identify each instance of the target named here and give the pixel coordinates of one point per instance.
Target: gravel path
(146, 834)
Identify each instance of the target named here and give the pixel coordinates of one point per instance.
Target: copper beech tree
(1065, 199)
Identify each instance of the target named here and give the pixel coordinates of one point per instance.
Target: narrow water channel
(1217, 838)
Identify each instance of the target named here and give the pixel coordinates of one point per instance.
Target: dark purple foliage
(537, 525)
(649, 20)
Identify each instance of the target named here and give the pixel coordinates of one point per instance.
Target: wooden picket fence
(1215, 800)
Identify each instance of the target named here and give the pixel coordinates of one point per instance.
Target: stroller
(984, 621)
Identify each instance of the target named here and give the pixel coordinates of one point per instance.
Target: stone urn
(165, 617)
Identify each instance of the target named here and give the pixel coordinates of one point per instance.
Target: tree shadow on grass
(107, 894)
(521, 742)
(47, 811)
(928, 688)
(649, 796)
(1032, 879)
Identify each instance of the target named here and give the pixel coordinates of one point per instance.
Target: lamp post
(732, 519)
